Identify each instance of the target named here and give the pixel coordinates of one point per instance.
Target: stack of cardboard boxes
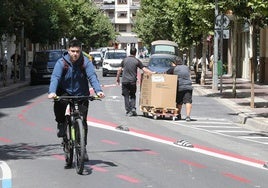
(158, 91)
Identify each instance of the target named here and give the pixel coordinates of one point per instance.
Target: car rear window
(41, 57)
(165, 49)
(116, 55)
(54, 56)
(160, 62)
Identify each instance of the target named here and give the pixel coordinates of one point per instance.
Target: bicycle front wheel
(79, 146)
(68, 144)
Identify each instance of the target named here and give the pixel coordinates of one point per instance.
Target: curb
(12, 87)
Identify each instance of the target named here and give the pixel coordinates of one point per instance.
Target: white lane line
(6, 178)
(255, 137)
(194, 149)
(211, 119)
(217, 126)
(232, 131)
(209, 122)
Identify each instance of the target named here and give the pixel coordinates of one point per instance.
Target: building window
(122, 14)
(122, 28)
(108, 1)
(121, 1)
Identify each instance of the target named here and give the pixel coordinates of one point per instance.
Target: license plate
(46, 76)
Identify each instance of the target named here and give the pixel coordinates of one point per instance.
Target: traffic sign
(221, 21)
(226, 34)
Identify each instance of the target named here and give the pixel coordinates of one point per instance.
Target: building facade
(122, 14)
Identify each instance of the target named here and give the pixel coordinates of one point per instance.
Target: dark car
(43, 65)
(160, 63)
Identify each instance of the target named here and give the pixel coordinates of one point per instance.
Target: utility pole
(22, 60)
(215, 55)
(221, 55)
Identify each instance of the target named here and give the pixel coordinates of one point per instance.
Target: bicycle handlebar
(91, 98)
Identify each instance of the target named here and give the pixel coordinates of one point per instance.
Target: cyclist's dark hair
(133, 51)
(75, 43)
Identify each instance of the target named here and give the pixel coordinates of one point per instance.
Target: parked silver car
(96, 58)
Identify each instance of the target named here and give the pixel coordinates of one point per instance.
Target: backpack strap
(66, 67)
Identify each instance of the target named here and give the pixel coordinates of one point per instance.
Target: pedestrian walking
(129, 66)
(184, 87)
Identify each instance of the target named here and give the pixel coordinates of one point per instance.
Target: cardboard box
(158, 90)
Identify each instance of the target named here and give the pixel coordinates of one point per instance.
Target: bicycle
(74, 141)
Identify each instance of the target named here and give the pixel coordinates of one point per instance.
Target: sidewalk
(252, 118)
(11, 86)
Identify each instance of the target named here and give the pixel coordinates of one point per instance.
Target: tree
(89, 24)
(50, 21)
(255, 12)
(153, 21)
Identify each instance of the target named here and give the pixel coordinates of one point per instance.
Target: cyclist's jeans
(129, 93)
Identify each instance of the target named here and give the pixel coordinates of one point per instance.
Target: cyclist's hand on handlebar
(52, 95)
(100, 95)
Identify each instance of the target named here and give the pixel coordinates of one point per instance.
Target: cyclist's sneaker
(67, 166)
(86, 156)
(61, 130)
(187, 119)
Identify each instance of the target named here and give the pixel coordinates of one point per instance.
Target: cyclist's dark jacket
(73, 79)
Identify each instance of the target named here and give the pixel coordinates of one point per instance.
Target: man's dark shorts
(184, 97)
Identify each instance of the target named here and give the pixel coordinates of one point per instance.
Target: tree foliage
(89, 24)
(153, 21)
(46, 21)
(186, 21)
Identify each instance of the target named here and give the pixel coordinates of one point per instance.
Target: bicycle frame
(74, 141)
(73, 112)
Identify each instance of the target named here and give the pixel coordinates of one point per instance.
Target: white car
(112, 60)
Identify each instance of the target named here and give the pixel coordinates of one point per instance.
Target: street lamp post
(215, 66)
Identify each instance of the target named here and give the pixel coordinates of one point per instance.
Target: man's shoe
(61, 130)
(187, 119)
(134, 113)
(130, 114)
(179, 117)
(86, 156)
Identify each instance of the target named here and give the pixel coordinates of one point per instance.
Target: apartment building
(122, 14)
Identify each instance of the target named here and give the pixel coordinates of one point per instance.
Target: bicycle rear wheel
(68, 147)
(79, 146)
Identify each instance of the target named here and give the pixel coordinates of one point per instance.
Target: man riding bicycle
(70, 77)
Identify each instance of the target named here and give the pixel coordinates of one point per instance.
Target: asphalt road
(224, 154)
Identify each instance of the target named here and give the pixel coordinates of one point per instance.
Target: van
(43, 65)
(164, 47)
